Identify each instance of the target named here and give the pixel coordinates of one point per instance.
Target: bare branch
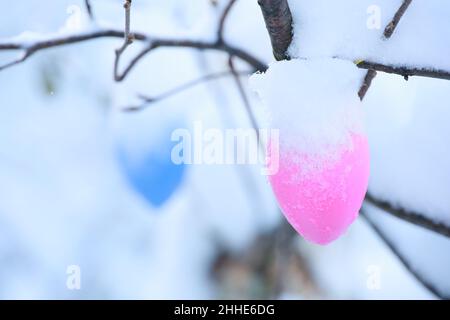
(87, 4)
(278, 18)
(243, 95)
(388, 31)
(214, 76)
(128, 39)
(370, 75)
(154, 42)
(406, 72)
(394, 249)
(223, 19)
(390, 28)
(409, 216)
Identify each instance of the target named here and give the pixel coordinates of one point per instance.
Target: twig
(87, 4)
(243, 95)
(388, 31)
(214, 76)
(128, 39)
(409, 216)
(403, 259)
(370, 75)
(406, 72)
(154, 42)
(278, 19)
(390, 28)
(222, 21)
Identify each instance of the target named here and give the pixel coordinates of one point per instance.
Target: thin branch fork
(153, 42)
(388, 32)
(128, 40)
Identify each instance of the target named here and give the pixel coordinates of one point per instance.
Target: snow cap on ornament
(323, 152)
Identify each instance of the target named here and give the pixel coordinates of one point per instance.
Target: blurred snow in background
(64, 200)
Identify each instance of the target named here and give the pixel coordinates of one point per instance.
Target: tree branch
(153, 42)
(243, 95)
(223, 18)
(390, 28)
(406, 72)
(278, 19)
(370, 75)
(388, 31)
(409, 216)
(404, 261)
(87, 4)
(128, 39)
(210, 77)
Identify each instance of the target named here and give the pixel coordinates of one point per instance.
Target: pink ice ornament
(323, 152)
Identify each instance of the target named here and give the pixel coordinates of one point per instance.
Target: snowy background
(64, 199)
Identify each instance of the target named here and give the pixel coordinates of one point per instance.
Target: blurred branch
(409, 216)
(395, 250)
(128, 39)
(278, 18)
(87, 4)
(210, 77)
(243, 95)
(388, 31)
(222, 21)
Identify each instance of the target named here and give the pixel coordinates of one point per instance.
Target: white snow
(312, 102)
(63, 201)
(344, 29)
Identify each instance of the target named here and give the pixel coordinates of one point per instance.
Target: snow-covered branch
(405, 72)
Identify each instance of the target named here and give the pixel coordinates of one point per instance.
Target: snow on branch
(406, 72)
